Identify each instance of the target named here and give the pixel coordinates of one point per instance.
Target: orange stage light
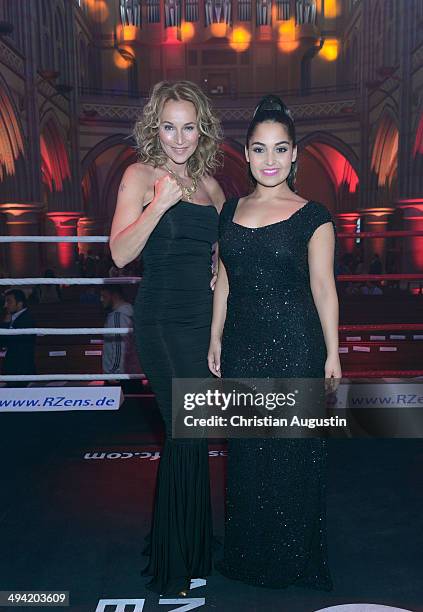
(99, 10)
(241, 39)
(330, 48)
(187, 30)
(218, 29)
(331, 9)
(286, 38)
(127, 32)
(288, 46)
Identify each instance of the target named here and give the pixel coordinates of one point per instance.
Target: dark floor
(74, 519)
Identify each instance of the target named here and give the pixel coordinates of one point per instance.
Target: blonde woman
(168, 208)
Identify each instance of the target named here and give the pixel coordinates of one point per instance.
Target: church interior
(74, 77)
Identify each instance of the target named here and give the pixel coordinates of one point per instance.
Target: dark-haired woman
(167, 208)
(275, 315)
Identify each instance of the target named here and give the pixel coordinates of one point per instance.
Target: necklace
(187, 192)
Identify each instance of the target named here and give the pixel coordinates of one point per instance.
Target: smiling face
(270, 153)
(178, 130)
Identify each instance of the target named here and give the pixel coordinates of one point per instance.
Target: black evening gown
(172, 317)
(275, 529)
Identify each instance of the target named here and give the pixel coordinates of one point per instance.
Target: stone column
(22, 258)
(412, 260)
(90, 226)
(346, 224)
(375, 220)
(62, 255)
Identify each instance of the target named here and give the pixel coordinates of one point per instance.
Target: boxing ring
(116, 461)
(45, 331)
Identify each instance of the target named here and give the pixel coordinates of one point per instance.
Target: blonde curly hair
(207, 156)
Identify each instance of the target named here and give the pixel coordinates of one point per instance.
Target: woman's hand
(213, 359)
(333, 372)
(213, 281)
(166, 192)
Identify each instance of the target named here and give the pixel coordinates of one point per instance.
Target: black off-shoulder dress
(172, 315)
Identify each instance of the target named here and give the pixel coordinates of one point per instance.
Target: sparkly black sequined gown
(172, 316)
(275, 531)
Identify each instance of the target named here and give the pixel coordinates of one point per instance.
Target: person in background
(49, 294)
(375, 265)
(89, 295)
(80, 264)
(119, 354)
(371, 289)
(92, 262)
(20, 350)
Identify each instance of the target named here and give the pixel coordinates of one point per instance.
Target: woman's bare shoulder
(139, 170)
(214, 190)
(140, 173)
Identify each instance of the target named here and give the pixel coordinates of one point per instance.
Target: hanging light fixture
(130, 12)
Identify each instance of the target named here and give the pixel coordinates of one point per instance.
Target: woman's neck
(180, 170)
(278, 192)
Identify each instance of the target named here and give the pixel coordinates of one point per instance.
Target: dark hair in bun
(272, 108)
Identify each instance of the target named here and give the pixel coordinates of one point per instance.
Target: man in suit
(20, 350)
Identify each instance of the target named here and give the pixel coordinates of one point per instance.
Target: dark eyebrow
(170, 123)
(278, 143)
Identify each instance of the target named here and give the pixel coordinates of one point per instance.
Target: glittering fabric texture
(275, 531)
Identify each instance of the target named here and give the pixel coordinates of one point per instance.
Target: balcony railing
(349, 89)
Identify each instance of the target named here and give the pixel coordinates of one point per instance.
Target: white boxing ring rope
(42, 331)
(65, 331)
(54, 239)
(128, 280)
(75, 331)
(65, 377)
(70, 281)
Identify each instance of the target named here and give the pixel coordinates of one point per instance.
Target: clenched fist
(166, 192)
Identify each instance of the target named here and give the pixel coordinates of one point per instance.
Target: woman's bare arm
(132, 226)
(219, 302)
(217, 197)
(220, 299)
(321, 250)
